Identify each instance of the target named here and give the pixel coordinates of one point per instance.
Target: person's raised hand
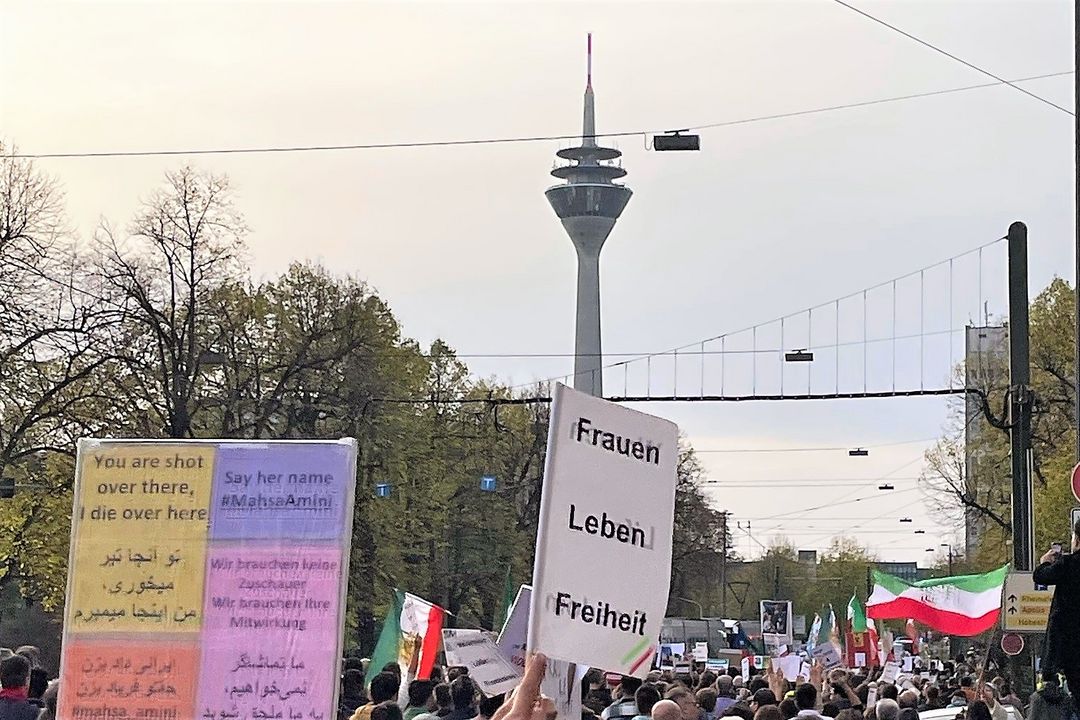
(817, 674)
(526, 702)
(1049, 557)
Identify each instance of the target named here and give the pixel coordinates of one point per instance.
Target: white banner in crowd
(491, 670)
(607, 508)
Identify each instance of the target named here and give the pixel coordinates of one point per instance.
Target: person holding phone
(1062, 650)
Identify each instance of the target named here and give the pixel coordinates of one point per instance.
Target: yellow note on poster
(142, 519)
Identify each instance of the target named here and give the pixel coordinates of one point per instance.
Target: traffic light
(7, 488)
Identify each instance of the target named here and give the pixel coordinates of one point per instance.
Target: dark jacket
(1050, 703)
(1062, 649)
(18, 710)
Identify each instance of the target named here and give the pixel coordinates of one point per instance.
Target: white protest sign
(479, 653)
(701, 651)
(562, 679)
(871, 696)
(860, 659)
(516, 629)
(827, 654)
(790, 665)
(746, 669)
(909, 664)
(891, 672)
(609, 497)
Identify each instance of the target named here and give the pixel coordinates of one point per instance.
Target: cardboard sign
(790, 665)
(701, 652)
(608, 495)
(719, 666)
(201, 569)
(776, 625)
(827, 654)
(487, 666)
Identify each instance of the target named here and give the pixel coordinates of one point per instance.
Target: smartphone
(1056, 547)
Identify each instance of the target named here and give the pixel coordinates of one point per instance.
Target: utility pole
(1020, 406)
(1020, 399)
(723, 558)
(1076, 175)
(776, 581)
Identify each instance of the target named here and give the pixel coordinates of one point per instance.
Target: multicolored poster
(207, 579)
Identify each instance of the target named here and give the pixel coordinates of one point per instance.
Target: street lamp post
(700, 610)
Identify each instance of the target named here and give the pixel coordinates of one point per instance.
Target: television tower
(588, 204)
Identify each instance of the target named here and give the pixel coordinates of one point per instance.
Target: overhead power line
(813, 449)
(271, 149)
(949, 55)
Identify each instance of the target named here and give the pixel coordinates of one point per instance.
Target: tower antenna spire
(588, 64)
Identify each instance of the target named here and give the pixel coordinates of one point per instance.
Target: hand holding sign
(527, 703)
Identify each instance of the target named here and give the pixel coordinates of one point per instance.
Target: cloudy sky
(770, 218)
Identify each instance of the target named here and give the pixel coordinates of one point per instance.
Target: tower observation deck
(588, 203)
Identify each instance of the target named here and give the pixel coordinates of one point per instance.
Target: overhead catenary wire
(950, 55)
(344, 147)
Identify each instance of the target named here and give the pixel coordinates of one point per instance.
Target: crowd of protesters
(26, 692)
(958, 692)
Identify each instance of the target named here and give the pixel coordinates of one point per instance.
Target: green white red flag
(410, 637)
(963, 605)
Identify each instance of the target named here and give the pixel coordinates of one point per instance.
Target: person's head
(49, 698)
(806, 697)
(388, 710)
(788, 708)
(353, 663)
(392, 667)
(1004, 686)
(737, 682)
(739, 710)
(966, 681)
(455, 672)
(707, 679)
(706, 698)
(887, 710)
(830, 710)
(768, 712)
(850, 714)
(593, 679)
(646, 698)
(890, 692)
(442, 697)
(31, 653)
(15, 672)
(666, 710)
(933, 693)
(463, 692)
(384, 686)
(979, 710)
(422, 694)
(685, 700)
(39, 682)
(989, 694)
(489, 705)
(909, 714)
(958, 699)
(908, 699)
(758, 683)
(352, 682)
(762, 697)
(628, 686)
(725, 686)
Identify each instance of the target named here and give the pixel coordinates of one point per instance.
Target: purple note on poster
(296, 491)
(270, 632)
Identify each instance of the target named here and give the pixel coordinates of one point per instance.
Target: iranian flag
(862, 636)
(410, 637)
(964, 605)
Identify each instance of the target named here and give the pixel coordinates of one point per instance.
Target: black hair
(39, 683)
(978, 710)
(758, 683)
(420, 692)
(388, 710)
(629, 685)
(490, 705)
(789, 709)
(830, 710)
(463, 692)
(384, 686)
(889, 692)
(352, 680)
(740, 710)
(442, 696)
(764, 696)
(15, 672)
(646, 696)
(806, 697)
